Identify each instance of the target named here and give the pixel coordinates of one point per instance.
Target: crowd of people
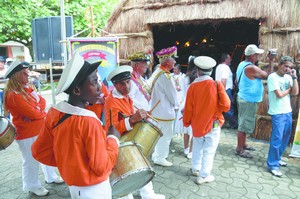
(81, 136)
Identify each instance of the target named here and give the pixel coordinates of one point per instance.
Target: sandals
(243, 154)
(248, 148)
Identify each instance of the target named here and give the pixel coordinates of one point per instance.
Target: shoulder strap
(63, 118)
(241, 74)
(155, 79)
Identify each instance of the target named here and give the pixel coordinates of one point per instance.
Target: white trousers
(30, 167)
(101, 190)
(161, 150)
(204, 150)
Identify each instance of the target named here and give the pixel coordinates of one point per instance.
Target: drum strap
(63, 118)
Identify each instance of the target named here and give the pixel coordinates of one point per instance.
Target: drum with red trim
(7, 133)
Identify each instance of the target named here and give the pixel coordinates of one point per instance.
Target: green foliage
(18, 14)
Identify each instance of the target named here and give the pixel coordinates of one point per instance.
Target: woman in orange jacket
(28, 112)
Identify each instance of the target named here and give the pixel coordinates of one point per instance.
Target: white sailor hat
(205, 63)
(120, 73)
(76, 70)
(16, 66)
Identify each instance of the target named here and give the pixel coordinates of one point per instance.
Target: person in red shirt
(73, 138)
(28, 113)
(206, 100)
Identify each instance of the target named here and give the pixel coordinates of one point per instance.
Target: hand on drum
(113, 131)
(137, 116)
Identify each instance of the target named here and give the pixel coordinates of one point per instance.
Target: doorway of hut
(207, 37)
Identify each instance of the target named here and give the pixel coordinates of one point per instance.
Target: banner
(105, 49)
(295, 152)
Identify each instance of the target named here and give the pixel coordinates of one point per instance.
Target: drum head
(131, 182)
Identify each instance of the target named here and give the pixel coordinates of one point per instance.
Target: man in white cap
(206, 100)
(163, 102)
(120, 112)
(79, 147)
(118, 105)
(249, 81)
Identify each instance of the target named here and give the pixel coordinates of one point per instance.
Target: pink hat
(170, 52)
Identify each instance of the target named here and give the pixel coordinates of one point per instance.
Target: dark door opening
(211, 38)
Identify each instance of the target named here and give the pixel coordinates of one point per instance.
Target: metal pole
(52, 83)
(63, 32)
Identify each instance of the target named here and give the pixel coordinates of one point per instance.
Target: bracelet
(294, 77)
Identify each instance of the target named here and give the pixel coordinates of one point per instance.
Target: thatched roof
(134, 18)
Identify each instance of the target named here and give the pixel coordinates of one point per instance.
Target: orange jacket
(78, 147)
(98, 108)
(203, 105)
(120, 108)
(28, 114)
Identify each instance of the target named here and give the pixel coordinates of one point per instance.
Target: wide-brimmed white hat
(76, 70)
(253, 49)
(16, 66)
(205, 62)
(120, 73)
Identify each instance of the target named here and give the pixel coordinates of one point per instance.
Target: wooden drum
(131, 172)
(145, 134)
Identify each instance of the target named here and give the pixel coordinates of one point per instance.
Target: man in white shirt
(281, 85)
(163, 90)
(224, 74)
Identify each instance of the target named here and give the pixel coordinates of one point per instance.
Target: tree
(17, 16)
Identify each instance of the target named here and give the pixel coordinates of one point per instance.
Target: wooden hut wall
(280, 26)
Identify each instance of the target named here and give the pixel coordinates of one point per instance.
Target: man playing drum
(80, 148)
(120, 113)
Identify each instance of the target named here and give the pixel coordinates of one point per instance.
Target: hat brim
(120, 70)
(16, 66)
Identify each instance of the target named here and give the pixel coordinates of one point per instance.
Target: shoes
(276, 172)
(207, 179)
(282, 164)
(40, 191)
(195, 172)
(58, 180)
(248, 148)
(186, 151)
(189, 155)
(163, 162)
(243, 154)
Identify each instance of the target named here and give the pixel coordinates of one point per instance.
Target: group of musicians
(72, 138)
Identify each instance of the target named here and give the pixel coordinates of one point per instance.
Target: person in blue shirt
(249, 78)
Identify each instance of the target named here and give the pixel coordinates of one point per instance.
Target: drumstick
(154, 106)
(110, 115)
(147, 114)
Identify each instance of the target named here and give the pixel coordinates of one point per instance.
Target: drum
(131, 172)
(7, 133)
(145, 134)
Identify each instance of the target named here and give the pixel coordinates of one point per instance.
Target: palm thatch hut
(208, 27)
